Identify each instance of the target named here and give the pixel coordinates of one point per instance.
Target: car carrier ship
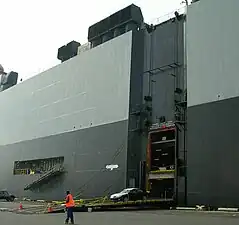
(131, 108)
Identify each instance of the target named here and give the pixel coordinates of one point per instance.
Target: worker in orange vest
(70, 204)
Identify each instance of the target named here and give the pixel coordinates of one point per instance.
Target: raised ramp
(55, 171)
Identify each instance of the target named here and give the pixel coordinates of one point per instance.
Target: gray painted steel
(89, 148)
(165, 46)
(88, 90)
(135, 100)
(213, 103)
(213, 153)
(86, 153)
(79, 110)
(212, 52)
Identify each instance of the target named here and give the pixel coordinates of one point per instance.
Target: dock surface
(119, 218)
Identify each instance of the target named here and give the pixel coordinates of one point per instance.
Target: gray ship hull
(86, 153)
(78, 111)
(86, 111)
(214, 159)
(212, 75)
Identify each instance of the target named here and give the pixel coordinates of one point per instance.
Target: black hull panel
(213, 153)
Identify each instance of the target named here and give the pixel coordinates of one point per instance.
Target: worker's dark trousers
(70, 215)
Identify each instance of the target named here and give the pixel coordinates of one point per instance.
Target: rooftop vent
(129, 18)
(8, 80)
(68, 51)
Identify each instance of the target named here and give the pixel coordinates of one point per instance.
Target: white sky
(33, 30)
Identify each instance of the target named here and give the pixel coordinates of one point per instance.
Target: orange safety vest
(71, 202)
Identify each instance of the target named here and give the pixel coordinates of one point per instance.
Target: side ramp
(106, 205)
(55, 171)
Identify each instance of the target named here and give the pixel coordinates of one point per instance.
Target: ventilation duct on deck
(8, 80)
(68, 51)
(129, 18)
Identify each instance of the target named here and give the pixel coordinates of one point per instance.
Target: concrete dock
(119, 218)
